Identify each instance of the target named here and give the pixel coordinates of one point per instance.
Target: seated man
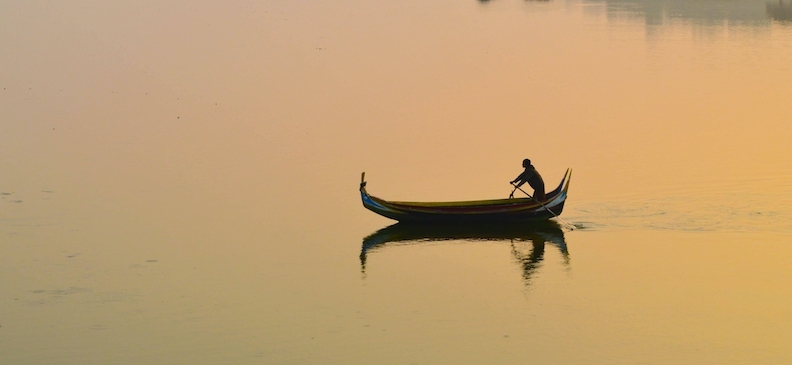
(532, 177)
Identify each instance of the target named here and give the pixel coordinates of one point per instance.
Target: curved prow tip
(362, 180)
(568, 177)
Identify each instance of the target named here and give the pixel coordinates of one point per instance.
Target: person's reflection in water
(531, 260)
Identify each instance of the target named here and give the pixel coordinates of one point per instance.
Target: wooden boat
(475, 211)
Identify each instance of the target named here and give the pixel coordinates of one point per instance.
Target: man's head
(526, 162)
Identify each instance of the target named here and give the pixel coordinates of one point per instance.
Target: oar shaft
(543, 206)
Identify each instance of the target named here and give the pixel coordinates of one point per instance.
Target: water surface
(179, 181)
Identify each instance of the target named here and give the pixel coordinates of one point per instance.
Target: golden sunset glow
(179, 181)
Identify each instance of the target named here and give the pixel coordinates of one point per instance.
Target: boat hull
(482, 211)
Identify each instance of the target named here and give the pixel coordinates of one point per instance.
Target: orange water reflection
(179, 180)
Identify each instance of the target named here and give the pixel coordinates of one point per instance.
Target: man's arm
(520, 178)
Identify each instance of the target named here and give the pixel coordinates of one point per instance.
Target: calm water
(179, 181)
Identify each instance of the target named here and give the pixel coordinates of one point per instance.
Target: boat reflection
(527, 241)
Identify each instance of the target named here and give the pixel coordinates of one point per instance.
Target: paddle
(571, 227)
(511, 196)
